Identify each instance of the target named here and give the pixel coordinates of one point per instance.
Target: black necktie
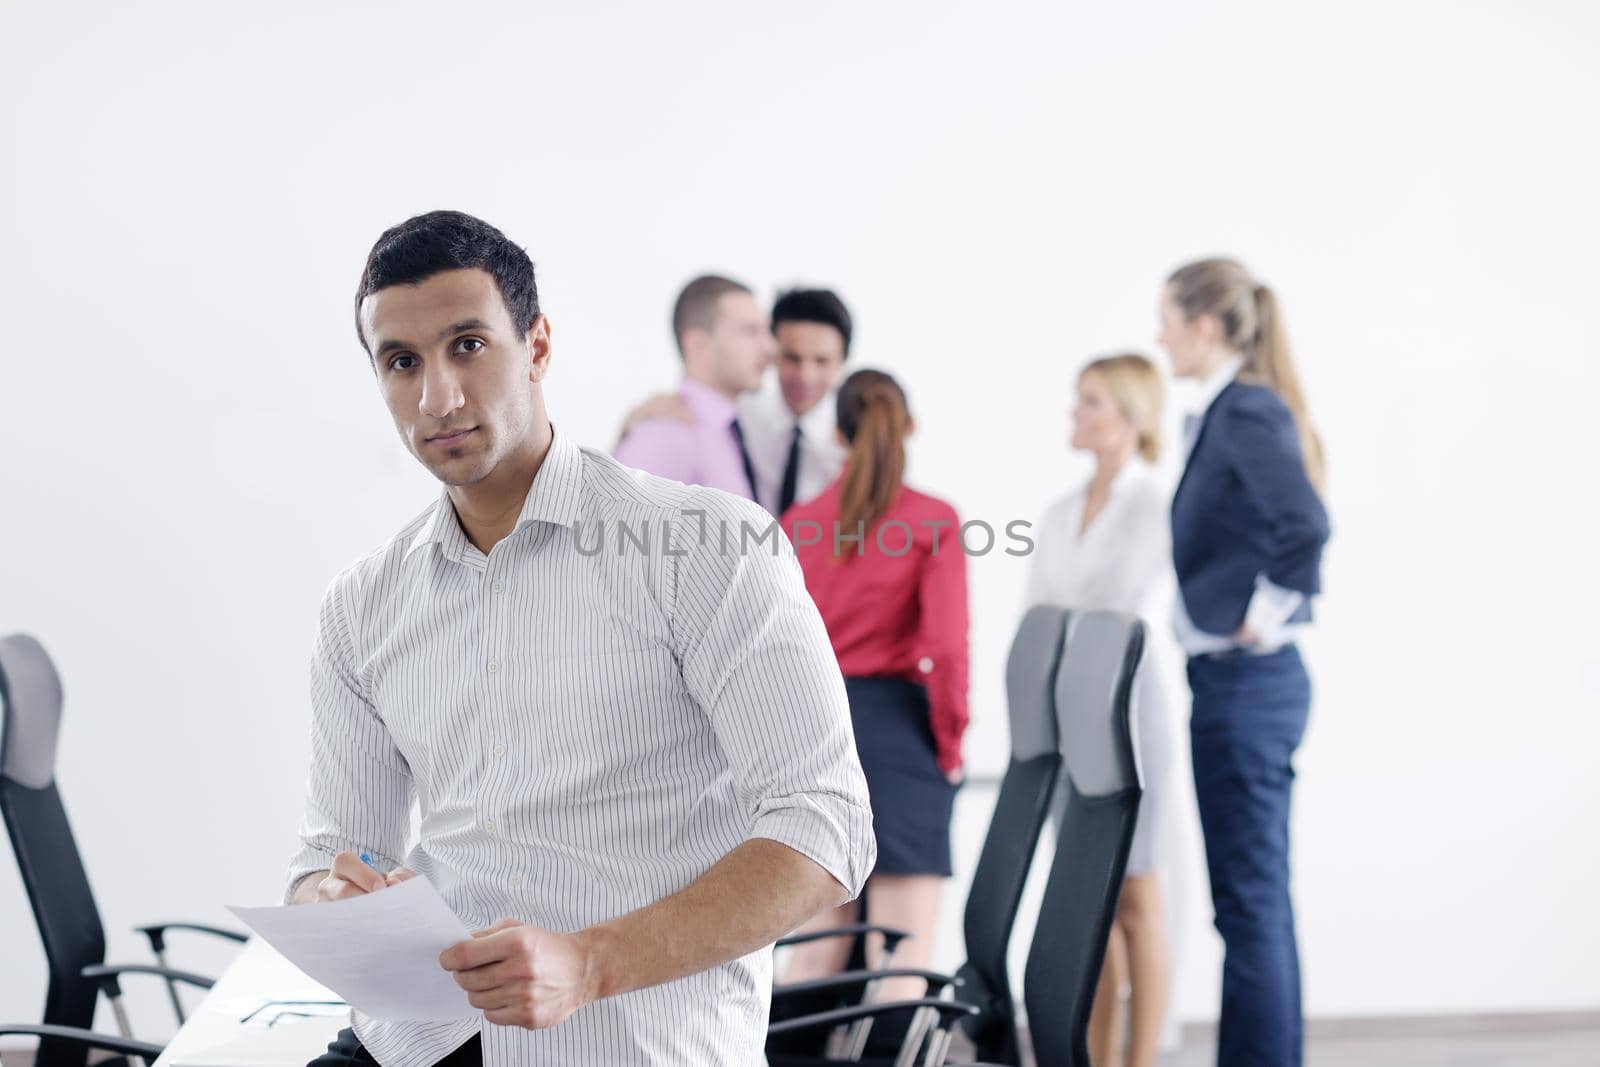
(791, 473)
(744, 457)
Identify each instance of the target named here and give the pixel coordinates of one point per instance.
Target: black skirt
(911, 800)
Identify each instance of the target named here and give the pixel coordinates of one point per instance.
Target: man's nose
(441, 392)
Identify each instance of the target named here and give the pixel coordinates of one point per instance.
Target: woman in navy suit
(1248, 528)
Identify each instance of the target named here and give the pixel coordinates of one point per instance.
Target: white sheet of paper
(380, 952)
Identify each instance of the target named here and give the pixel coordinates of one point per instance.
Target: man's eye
(401, 362)
(470, 344)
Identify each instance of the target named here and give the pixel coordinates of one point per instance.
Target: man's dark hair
(430, 244)
(696, 308)
(814, 305)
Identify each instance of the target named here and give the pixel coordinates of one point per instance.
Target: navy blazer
(1244, 507)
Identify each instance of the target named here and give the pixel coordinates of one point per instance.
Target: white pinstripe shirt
(586, 732)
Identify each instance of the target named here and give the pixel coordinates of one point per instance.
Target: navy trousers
(1248, 717)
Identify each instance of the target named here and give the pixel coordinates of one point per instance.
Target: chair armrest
(946, 1008)
(107, 974)
(845, 979)
(891, 936)
(124, 1045)
(157, 933)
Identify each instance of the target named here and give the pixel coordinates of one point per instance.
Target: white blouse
(1122, 562)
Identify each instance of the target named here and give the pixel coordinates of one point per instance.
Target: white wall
(191, 446)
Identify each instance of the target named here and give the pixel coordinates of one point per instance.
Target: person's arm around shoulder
(664, 447)
(655, 406)
(756, 657)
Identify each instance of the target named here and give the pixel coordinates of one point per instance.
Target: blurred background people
(1105, 546)
(889, 576)
(788, 433)
(791, 431)
(1248, 527)
(726, 346)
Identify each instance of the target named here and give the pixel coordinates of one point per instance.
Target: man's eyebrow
(449, 331)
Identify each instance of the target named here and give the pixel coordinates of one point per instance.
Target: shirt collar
(553, 497)
(1218, 380)
(818, 423)
(706, 404)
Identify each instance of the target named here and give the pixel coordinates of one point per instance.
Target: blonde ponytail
(1270, 361)
(1252, 323)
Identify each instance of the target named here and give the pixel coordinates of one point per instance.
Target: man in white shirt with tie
(635, 768)
(789, 424)
(791, 432)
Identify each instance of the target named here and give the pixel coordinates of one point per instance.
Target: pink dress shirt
(705, 452)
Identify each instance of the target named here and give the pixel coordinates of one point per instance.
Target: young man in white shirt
(636, 768)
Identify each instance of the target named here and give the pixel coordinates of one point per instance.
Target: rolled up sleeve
(359, 791)
(756, 656)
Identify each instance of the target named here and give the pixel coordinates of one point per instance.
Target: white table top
(256, 975)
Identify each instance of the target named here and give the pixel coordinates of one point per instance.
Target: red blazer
(890, 612)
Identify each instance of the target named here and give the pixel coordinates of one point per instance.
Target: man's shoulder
(662, 430)
(668, 446)
(375, 568)
(612, 486)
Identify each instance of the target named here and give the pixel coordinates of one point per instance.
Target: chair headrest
(1030, 680)
(30, 708)
(1093, 695)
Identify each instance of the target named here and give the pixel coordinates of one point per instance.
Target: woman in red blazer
(886, 568)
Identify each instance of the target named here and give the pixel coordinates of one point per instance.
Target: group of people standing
(1243, 532)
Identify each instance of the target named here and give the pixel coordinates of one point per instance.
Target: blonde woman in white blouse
(1106, 545)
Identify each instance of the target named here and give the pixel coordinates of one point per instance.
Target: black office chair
(1095, 817)
(992, 899)
(53, 873)
(70, 1037)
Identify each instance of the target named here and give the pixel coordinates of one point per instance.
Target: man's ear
(538, 342)
(691, 343)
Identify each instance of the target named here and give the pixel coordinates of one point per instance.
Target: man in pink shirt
(726, 345)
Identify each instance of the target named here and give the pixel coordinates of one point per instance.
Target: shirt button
(499, 750)
(499, 587)
(511, 885)
(925, 665)
(488, 825)
(493, 666)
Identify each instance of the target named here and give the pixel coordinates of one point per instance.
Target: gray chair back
(1019, 815)
(1100, 805)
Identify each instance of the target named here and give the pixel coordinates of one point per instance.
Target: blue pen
(368, 861)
